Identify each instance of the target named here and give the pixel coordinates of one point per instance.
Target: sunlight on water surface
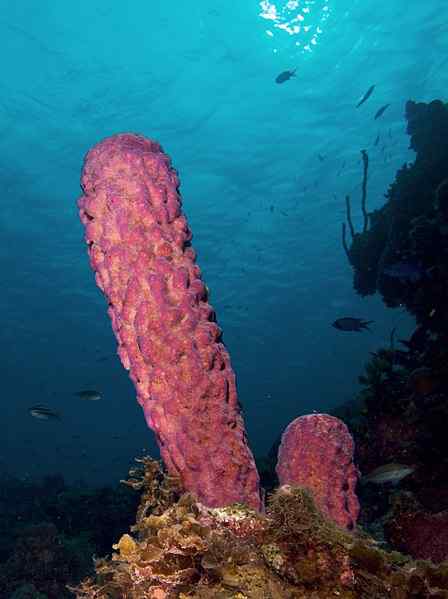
(303, 19)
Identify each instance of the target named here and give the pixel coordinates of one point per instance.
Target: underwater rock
(411, 227)
(427, 126)
(423, 381)
(41, 561)
(417, 532)
(390, 438)
(441, 201)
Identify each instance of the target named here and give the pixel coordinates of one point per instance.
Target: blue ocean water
(264, 171)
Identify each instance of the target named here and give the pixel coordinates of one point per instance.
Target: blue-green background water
(265, 211)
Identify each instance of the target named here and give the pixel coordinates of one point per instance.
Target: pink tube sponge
(316, 452)
(139, 248)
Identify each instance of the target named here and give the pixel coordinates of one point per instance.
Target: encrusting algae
(180, 549)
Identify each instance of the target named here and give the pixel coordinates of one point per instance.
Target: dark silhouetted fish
(349, 323)
(366, 96)
(377, 140)
(285, 75)
(321, 158)
(381, 111)
(42, 412)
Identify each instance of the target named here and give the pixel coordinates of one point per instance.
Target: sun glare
(304, 19)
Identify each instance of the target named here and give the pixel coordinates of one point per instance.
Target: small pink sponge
(316, 452)
(139, 248)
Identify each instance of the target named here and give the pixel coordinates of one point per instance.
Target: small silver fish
(89, 395)
(42, 412)
(389, 473)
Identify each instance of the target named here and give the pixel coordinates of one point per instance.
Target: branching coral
(365, 161)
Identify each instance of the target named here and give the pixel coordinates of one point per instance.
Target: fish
(377, 140)
(42, 412)
(381, 111)
(405, 270)
(389, 473)
(321, 158)
(366, 96)
(348, 323)
(285, 75)
(89, 394)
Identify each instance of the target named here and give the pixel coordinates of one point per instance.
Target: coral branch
(344, 241)
(365, 161)
(349, 216)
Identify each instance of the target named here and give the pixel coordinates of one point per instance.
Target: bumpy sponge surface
(168, 340)
(316, 452)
